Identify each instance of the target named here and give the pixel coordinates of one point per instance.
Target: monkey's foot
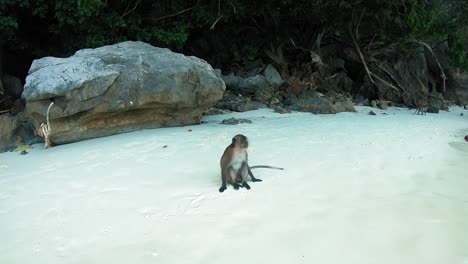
(222, 188)
(256, 180)
(246, 185)
(237, 186)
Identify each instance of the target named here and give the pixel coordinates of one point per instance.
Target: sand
(390, 188)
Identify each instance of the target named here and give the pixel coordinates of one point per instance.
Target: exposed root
(44, 129)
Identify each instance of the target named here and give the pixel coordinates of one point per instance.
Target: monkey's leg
(251, 175)
(236, 186)
(231, 179)
(223, 180)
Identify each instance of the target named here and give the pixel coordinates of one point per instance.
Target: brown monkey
(234, 164)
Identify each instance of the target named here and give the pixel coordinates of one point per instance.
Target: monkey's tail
(265, 167)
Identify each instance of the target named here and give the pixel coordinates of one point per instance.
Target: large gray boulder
(272, 76)
(119, 88)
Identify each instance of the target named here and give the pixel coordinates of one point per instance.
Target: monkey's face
(241, 141)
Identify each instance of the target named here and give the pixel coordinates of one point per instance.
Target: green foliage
(239, 30)
(172, 38)
(458, 49)
(245, 55)
(8, 27)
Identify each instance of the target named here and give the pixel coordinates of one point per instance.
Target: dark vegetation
(296, 36)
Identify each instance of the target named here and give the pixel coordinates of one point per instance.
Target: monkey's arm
(223, 181)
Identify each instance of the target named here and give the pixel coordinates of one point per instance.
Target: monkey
(235, 167)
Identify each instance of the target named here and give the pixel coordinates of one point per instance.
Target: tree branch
(126, 12)
(216, 21)
(363, 61)
(392, 77)
(383, 81)
(178, 13)
(442, 73)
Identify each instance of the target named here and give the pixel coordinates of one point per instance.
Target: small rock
(215, 111)
(344, 105)
(235, 121)
(190, 130)
(281, 110)
(373, 103)
(466, 138)
(361, 101)
(23, 152)
(372, 113)
(165, 146)
(461, 114)
(382, 105)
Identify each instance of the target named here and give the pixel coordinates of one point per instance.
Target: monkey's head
(241, 141)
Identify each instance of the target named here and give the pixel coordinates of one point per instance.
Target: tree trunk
(2, 93)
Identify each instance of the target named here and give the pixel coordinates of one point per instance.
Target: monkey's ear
(234, 140)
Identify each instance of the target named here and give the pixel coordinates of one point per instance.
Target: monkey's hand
(222, 188)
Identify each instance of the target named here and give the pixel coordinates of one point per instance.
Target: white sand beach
(390, 188)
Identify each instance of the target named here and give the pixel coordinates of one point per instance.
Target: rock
(254, 67)
(12, 85)
(290, 99)
(248, 106)
(373, 103)
(382, 105)
(15, 130)
(317, 103)
(341, 102)
(360, 100)
(238, 104)
(8, 127)
(272, 76)
(255, 85)
(466, 138)
(119, 88)
(344, 105)
(215, 111)
(218, 73)
(461, 114)
(436, 100)
(281, 110)
(18, 106)
(372, 113)
(314, 105)
(232, 81)
(235, 121)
